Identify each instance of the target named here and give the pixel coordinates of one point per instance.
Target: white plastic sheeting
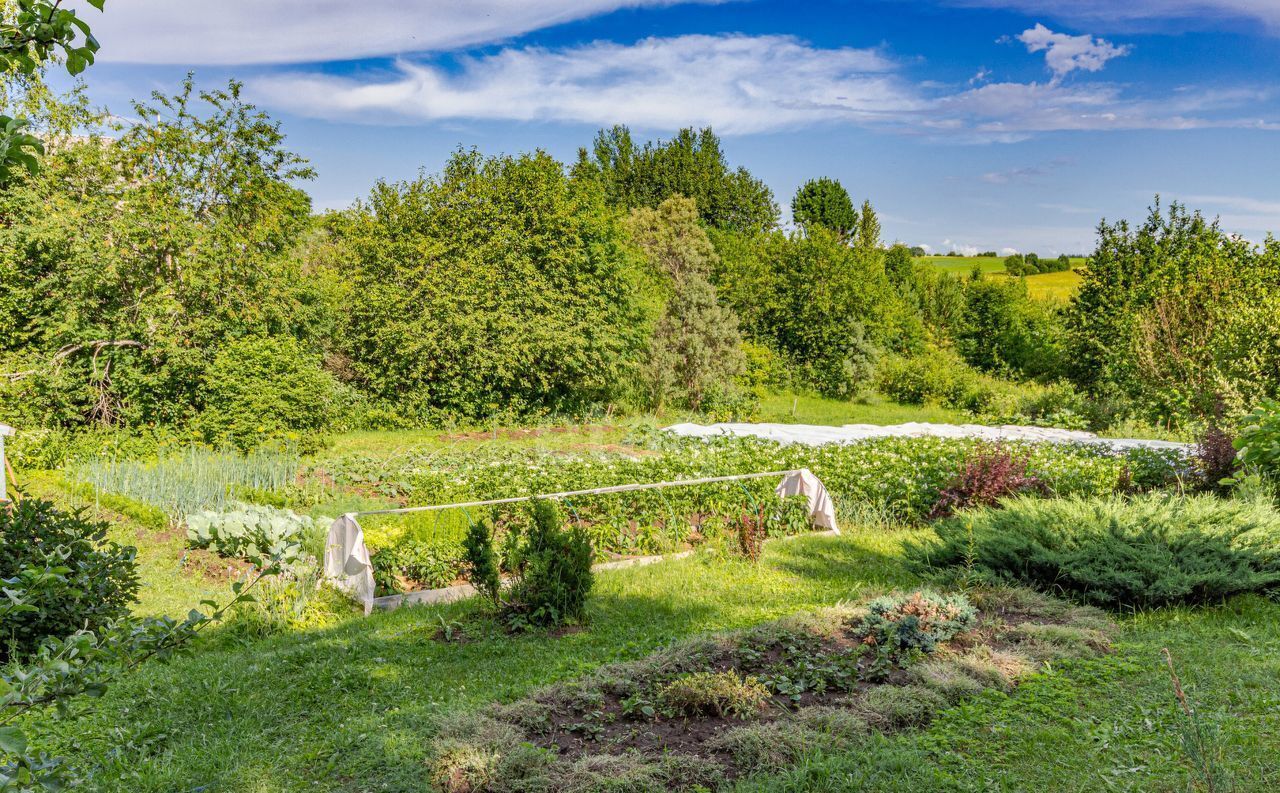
(813, 435)
(346, 560)
(822, 512)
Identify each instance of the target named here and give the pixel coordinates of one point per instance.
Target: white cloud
(739, 84)
(1064, 53)
(1198, 13)
(1009, 251)
(192, 32)
(1238, 213)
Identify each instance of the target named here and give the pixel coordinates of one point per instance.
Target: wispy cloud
(739, 84)
(1254, 216)
(1187, 13)
(1064, 53)
(190, 32)
(1026, 173)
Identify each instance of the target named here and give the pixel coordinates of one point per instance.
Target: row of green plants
(902, 477)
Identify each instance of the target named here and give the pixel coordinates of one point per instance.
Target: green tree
(868, 237)
(696, 349)
(824, 202)
(1004, 332)
(498, 286)
(126, 264)
(900, 266)
(1177, 317)
(691, 164)
(829, 308)
(32, 34)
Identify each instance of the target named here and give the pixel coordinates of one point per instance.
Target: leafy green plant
(250, 531)
(725, 694)
(259, 390)
(79, 664)
(1140, 552)
(90, 581)
(1258, 443)
(481, 561)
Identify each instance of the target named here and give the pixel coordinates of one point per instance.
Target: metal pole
(559, 496)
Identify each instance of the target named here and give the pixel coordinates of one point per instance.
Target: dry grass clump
(715, 694)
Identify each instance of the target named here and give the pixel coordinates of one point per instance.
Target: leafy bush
(721, 694)
(261, 389)
(1005, 332)
(918, 621)
(92, 580)
(1214, 460)
(937, 376)
(990, 473)
(1138, 553)
(1259, 440)
(551, 571)
(250, 531)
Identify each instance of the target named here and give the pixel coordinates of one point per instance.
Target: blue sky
(970, 124)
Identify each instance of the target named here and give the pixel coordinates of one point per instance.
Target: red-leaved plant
(990, 473)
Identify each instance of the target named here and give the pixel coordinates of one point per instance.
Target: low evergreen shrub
(551, 571)
(1118, 553)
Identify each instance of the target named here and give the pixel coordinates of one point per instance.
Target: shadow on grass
(369, 691)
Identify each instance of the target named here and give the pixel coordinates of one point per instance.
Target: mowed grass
(790, 408)
(352, 707)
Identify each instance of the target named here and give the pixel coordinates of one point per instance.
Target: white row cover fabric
(347, 563)
(822, 512)
(811, 435)
(346, 560)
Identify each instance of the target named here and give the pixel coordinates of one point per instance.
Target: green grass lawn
(352, 706)
(797, 409)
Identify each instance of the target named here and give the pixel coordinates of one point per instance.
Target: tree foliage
(824, 202)
(126, 264)
(32, 34)
(695, 350)
(499, 285)
(691, 164)
(1178, 317)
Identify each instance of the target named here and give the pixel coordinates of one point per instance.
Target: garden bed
(708, 711)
